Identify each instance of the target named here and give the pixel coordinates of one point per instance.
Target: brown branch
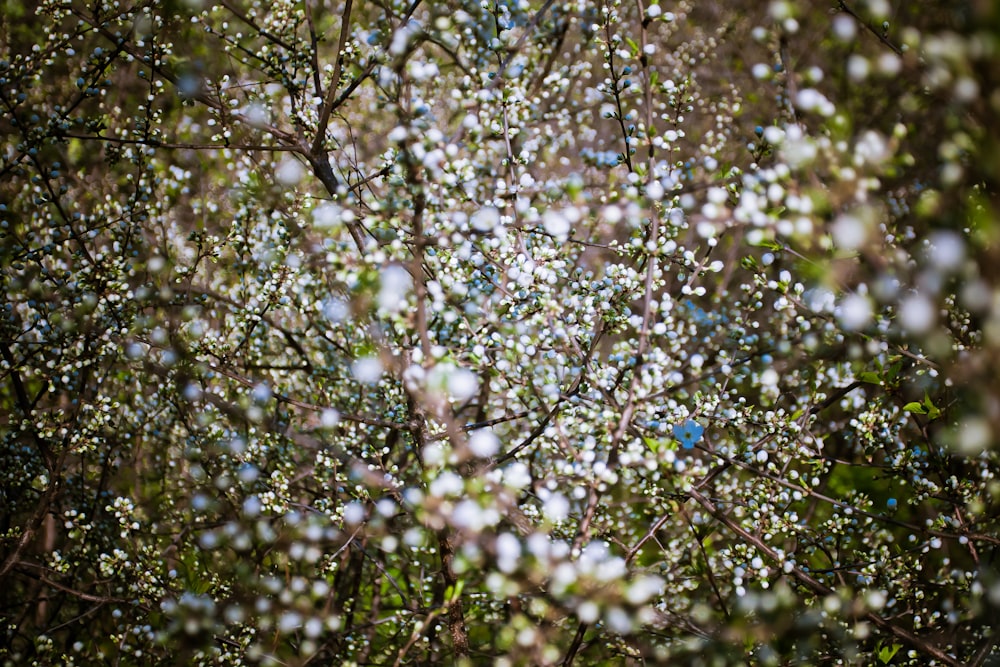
(28, 570)
(287, 334)
(573, 390)
(455, 612)
(651, 269)
(882, 38)
(274, 39)
(811, 493)
(172, 146)
(417, 264)
(708, 563)
(417, 633)
(574, 647)
(31, 527)
(328, 104)
(122, 43)
(314, 44)
(346, 416)
(818, 588)
(511, 53)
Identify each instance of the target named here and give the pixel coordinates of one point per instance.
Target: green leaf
(770, 244)
(894, 370)
(871, 377)
(915, 407)
(888, 652)
(932, 410)
(452, 593)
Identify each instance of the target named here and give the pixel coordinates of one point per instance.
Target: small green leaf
(770, 244)
(888, 652)
(893, 372)
(455, 592)
(871, 377)
(932, 410)
(916, 408)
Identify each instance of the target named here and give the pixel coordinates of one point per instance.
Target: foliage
(499, 333)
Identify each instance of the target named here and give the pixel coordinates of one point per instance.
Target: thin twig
(819, 588)
(881, 37)
(331, 93)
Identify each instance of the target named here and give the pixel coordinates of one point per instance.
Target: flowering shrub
(499, 333)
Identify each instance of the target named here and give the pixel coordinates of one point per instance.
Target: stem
(818, 588)
(331, 93)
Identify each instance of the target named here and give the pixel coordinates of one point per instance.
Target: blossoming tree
(501, 332)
